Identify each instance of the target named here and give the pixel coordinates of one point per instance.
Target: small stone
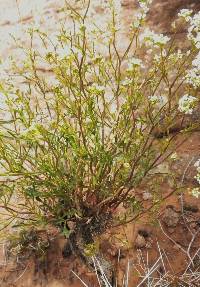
(170, 217)
(140, 241)
(147, 195)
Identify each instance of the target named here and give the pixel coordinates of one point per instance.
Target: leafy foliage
(74, 144)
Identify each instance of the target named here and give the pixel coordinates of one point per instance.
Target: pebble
(170, 217)
(140, 241)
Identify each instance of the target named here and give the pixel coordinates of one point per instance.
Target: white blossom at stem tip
(185, 14)
(151, 38)
(186, 104)
(134, 63)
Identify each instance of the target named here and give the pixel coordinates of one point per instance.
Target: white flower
(140, 16)
(157, 58)
(179, 54)
(158, 100)
(105, 4)
(195, 21)
(176, 56)
(117, 5)
(153, 99)
(195, 192)
(126, 82)
(197, 42)
(149, 51)
(134, 62)
(194, 30)
(160, 39)
(150, 37)
(97, 89)
(186, 104)
(193, 77)
(145, 2)
(136, 23)
(144, 5)
(196, 61)
(185, 13)
(197, 177)
(188, 52)
(194, 38)
(174, 156)
(197, 163)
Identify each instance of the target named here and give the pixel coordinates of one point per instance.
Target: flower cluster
(196, 191)
(152, 38)
(127, 82)
(96, 89)
(159, 57)
(144, 4)
(158, 100)
(134, 63)
(194, 29)
(193, 75)
(196, 61)
(186, 104)
(197, 165)
(177, 55)
(186, 14)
